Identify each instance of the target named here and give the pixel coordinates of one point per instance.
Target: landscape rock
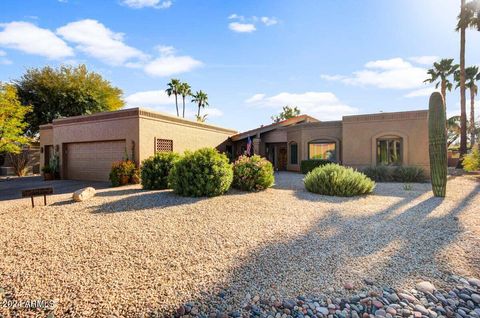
(425, 287)
(83, 194)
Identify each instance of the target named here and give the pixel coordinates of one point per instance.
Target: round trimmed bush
(204, 172)
(335, 180)
(252, 173)
(155, 170)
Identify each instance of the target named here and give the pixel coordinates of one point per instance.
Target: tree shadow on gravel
(145, 201)
(391, 247)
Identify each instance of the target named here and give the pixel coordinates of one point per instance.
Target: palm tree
(173, 89)
(472, 76)
(201, 119)
(201, 98)
(453, 129)
(185, 90)
(440, 73)
(464, 21)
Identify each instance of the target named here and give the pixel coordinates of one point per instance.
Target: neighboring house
(87, 145)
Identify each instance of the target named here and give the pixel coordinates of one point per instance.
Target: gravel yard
(131, 253)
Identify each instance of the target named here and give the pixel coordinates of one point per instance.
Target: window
(389, 151)
(322, 150)
(163, 145)
(293, 153)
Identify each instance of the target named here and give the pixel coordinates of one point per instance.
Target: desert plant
(252, 173)
(335, 180)
(409, 174)
(122, 172)
(437, 137)
(204, 172)
(20, 162)
(308, 165)
(379, 173)
(155, 170)
(54, 164)
(471, 162)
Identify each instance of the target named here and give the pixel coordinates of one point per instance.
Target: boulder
(425, 287)
(83, 194)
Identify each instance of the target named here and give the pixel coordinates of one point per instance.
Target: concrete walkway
(11, 188)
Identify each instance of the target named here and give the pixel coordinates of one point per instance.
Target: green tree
(64, 91)
(201, 99)
(12, 120)
(287, 112)
(173, 89)
(440, 74)
(185, 90)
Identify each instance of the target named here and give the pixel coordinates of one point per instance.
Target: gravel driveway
(130, 253)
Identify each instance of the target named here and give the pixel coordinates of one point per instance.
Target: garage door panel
(93, 160)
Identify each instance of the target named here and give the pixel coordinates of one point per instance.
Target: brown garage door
(93, 160)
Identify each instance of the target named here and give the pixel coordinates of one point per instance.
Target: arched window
(322, 149)
(389, 151)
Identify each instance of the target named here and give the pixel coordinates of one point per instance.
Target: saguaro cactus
(437, 138)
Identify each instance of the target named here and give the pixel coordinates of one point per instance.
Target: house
(359, 141)
(87, 145)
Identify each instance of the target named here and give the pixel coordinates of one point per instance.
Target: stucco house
(87, 145)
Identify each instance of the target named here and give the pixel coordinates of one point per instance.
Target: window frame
(293, 143)
(387, 139)
(319, 142)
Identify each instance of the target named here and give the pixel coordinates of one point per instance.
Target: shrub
(252, 173)
(204, 172)
(409, 174)
(471, 162)
(122, 172)
(333, 179)
(308, 165)
(395, 174)
(379, 173)
(155, 170)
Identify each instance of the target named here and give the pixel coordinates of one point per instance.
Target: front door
(282, 158)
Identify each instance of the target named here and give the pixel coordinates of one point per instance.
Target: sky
(330, 58)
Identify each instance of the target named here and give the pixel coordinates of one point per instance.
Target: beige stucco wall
(186, 135)
(360, 134)
(46, 138)
(305, 133)
(125, 128)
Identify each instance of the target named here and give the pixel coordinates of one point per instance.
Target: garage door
(93, 160)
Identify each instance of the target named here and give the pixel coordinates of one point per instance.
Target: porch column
(256, 146)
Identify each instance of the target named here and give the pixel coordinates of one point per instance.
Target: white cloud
(138, 4)
(332, 77)
(268, 21)
(391, 64)
(96, 40)
(170, 64)
(255, 98)
(242, 27)
(160, 101)
(149, 99)
(235, 16)
(29, 38)
(424, 60)
(421, 92)
(3, 53)
(392, 73)
(322, 105)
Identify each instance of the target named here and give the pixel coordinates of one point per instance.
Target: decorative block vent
(163, 145)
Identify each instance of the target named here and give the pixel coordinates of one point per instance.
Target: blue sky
(330, 58)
